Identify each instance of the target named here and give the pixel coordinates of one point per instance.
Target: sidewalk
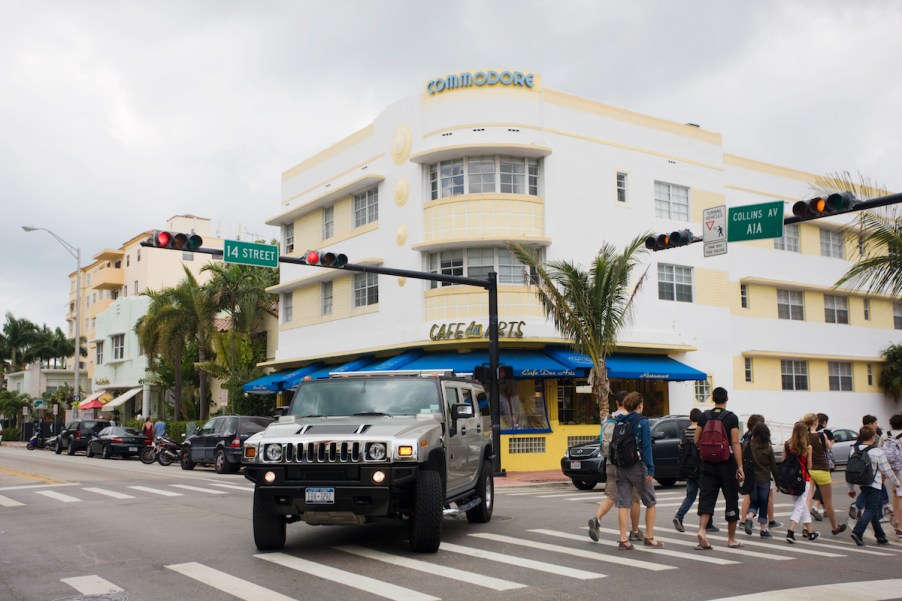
(531, 478)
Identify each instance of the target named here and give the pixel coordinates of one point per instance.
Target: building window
(127, 260)
(675, 283)
(621, 187)
(329, 222)
(790, 239)
(477, 263)
(288, 237)
(100, 353)
(790, 304)
(118, 347)
(748, 369)
(836, 309)
(840, 374)
(135, 289)
(794, 374)
(832, 244)
(326, 298)
(139, 255)
(574, 407)
(114, 294)
(897, 315)
(870, 375)
(744, 295)
(484, 175)
(702, 391)
(366, 207)
(671, 201)
(867, 309)
(366, 289)
(287, 307)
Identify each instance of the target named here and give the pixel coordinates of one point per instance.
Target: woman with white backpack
(892, 448)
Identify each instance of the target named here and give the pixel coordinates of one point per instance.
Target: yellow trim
(444, 153)
(810, 357)
(435, 132)
(340, 146)
(737, 161)
(376, 177)
(769, 195)
(813, 288)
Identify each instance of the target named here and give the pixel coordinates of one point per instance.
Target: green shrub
(11, 433)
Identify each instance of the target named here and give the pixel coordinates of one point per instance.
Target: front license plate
(133, 449)
(320, 496)
(576, 465)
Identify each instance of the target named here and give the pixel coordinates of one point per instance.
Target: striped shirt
(881, 466)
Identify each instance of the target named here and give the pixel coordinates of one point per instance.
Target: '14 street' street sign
(247, 253)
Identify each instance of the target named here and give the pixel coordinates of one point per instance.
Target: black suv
(219, 442)
(585, 466)
(77, 434)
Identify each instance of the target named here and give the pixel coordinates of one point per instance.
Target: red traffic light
(312, 257)
(161, 239)
(326, 259)
(176, 240)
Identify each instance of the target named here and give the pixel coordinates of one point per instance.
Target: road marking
(583, 495)
(157, 491)
(430, 568)
(92, 585)
(639, 547)
(539, 566)
(58, 496)
(209, 491)
(804, 548)
(227, 583)
(234, 486)
(363, 583)
(724, 549)
(109, 493)
(869, 590)
(7, 502)
(29, 475)
(31, 486)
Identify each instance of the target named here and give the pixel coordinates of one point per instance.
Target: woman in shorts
(820, 470)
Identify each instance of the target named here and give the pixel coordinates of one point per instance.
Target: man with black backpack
(867, 467)
(717, 439)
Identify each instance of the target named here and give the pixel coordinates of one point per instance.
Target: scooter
(35, 442)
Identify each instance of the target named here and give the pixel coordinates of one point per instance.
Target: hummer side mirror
(462, 410)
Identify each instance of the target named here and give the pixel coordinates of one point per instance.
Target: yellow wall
(454, 302)
(484, 216)
(712, 287)
(704, 199)
(766, 374)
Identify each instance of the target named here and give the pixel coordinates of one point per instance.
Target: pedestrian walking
(747, 489)
(689, 463)
(798, 449)
(817, 506)
(717, 438)
(610, 484)
(880, 470)
(159, 428)
(631, 453)
(760, 451)
(858, 506)
(892, 448)
(147, 428)
(820, 471)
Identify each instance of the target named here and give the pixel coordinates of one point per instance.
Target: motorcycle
(163, 450)
(35, 442)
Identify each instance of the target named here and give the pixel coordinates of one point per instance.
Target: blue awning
(355, 365)
(279, 380)
(638, 367)
(294, 378)
(526, 364)
(396, 362)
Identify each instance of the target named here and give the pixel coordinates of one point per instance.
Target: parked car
(219, 442)
(585, 466)
(77, 434)
(117, 440)
(843, 440)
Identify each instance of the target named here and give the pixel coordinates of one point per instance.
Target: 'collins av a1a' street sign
(247, 253)
(756, 222)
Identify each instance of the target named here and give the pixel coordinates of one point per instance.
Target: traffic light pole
(490, 283)
(862, 205)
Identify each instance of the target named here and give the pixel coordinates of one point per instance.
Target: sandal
(651, 542)
(625, 545)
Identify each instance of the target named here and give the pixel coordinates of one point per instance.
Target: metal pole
(494, 393)
(76, 366)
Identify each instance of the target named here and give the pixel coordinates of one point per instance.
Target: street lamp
(75, 252)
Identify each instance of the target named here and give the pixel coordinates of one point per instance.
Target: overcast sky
(116, 115)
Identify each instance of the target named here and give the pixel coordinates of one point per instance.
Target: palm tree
(891, 375)
(590, 307)
(19, 335)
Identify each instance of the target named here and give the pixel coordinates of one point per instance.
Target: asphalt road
(74, 527)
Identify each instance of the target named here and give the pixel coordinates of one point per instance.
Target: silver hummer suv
(358, 447)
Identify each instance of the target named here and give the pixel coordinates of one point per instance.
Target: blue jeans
(758, 501)
(873, 511)
(691, 494)
(884, 498)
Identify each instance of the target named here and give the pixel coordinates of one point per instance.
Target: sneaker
(748, 526)
(766, 534)
(678, 524)
(817, 515)
(774, 524)
(839, 529)
(637, 536)
(882, 541)
(884, 520)
(593, 529)
(857, 538)
(812, 536)
(712, 528)
(853, 512)
(790, 537)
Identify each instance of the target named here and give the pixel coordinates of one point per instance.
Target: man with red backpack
(717, 439)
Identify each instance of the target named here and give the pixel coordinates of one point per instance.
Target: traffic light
(326, 259)
(176, 240)
(838, 202)
(671, 240)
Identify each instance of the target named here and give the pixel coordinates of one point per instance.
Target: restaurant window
(522, 404)
(702, 391)
(575, 407)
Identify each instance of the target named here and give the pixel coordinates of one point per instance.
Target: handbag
(748, 469)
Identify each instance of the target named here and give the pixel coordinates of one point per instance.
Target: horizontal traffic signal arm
(838, 203)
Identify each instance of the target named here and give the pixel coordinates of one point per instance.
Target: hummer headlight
(375, 451)
(273, 452)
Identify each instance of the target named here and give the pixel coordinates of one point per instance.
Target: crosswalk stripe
(233, 486)
(869, 590)
(58, 496)
(91, 585)
(804, 549)
(430, 568)
(109, 493)
(724, 549)
(7, 502)
(209, 491)
(640, 547)
(227, 583)
(157, 491)
(578, 495)
(539, 566)
(364, 583)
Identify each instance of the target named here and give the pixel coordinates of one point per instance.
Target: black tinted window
(252, 425)
(670, 428)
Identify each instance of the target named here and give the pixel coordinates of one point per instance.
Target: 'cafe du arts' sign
(451, 331)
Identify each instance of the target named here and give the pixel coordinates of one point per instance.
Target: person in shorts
(820, 471)
(639, 477)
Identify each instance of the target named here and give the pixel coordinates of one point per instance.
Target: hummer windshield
(366, 396)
